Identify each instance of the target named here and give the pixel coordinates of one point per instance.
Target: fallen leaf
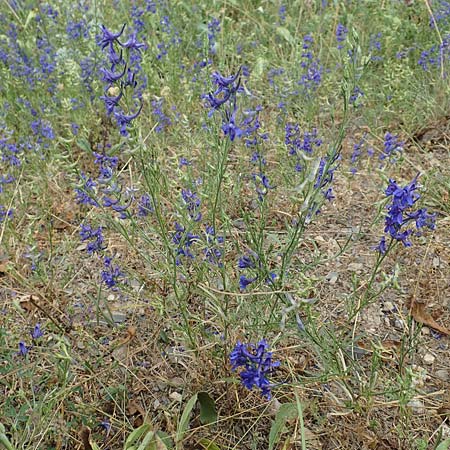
(3, 267)
(85, 434)
(135, 410)
(420, 315)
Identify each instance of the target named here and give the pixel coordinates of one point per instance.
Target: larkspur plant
(225, 161)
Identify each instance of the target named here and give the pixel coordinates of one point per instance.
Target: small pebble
(332, 277)
(398, 324)
(417, 406)
(443, 374)
(428, 359)
(119, 317)
(425, 331)
(355, 267)
(388, 307)
(176, 396)
(445, 431)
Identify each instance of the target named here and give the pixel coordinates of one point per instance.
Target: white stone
(417, 406)
(176, 396)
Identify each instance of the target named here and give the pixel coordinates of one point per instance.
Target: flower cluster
(355, 96)
(375, 47)
(213, 31)
(325, 175)
(192, 203)
(257, 365)
(145, 206)
(282, 14)
(355, 156)
(312, 69)
(121, 75)
(252, 262)
(227, 87)
(94, 236)
(400, 214)
(299, 144)
(105, 190)
(437, 55)
(162, 119)
(5, 213)
(111, 274)
(392, 147)
(36, 334)
(341, 35)
(173, 37)
(212, 251)
(441, 13)
(183, 241)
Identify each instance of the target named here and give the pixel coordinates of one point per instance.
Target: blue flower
(23, 349)
(108, 37)
(145, 206)
(257, 365)
(124, 120)
(226, 82)
(132, 43)
(192, 204)
(341, 35)
(399, 216)
(184, 241)
(392, 147)
(245, 262)
(112, 274)
(95, 236)
(86, 193)
(244, 282)
(5, 213)
(262, 185)
(111, 102)
(37, 332)
(111, 77)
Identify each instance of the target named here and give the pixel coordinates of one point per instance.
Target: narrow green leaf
(31, 15)
(208, 445)
(285, 33)
(286, 411)
(260, 67)
(208, 413)
(184, 420)
(165, 439)
(145, 444)
(444, 445)
(4, 442)
(136, 434)
(84, 144)
(94, 445)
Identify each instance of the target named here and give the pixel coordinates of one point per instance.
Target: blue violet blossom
(257, 365)
(401, 219)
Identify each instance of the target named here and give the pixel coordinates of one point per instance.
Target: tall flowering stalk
(120, 77)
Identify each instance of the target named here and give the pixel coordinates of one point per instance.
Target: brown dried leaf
(3, 267)
(85, 434)
(27, 302)
(136, 412)
(420, 315)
